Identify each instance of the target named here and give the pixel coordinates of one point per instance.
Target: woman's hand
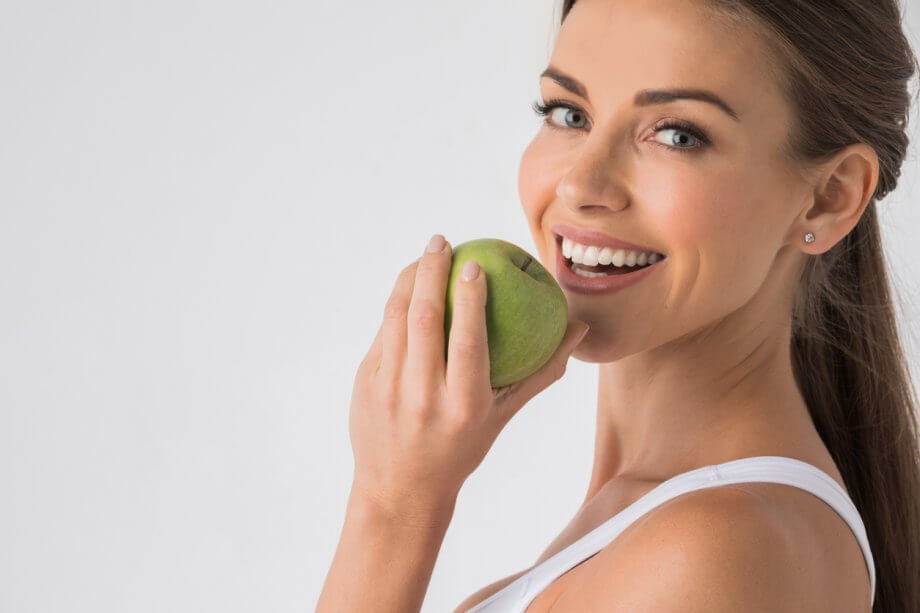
(420, 427)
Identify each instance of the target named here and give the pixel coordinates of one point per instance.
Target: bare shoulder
(718, 549)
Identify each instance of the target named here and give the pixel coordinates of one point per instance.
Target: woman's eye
(681, 136)
(567, 112)
(549, 112)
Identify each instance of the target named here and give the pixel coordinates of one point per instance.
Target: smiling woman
(751, 140)
(756, 446)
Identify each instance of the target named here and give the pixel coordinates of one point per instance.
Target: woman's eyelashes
(679, 126)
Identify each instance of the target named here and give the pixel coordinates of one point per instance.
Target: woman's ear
(841, 193)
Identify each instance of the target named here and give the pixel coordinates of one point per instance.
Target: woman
(756, 445)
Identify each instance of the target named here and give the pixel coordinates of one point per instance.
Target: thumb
(520, 393)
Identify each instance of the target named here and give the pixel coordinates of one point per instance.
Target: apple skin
(526, 310)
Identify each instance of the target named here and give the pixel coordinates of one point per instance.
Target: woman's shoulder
(749, 546)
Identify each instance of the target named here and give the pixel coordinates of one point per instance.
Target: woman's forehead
(616, 48)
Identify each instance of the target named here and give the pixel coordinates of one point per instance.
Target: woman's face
(721, 209)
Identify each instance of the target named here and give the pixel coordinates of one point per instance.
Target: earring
(809, 238)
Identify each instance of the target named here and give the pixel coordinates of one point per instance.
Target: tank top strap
(516, 596)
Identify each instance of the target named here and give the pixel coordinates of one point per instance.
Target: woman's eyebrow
(644, 97)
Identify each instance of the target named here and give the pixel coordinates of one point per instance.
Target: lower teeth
(591, 275)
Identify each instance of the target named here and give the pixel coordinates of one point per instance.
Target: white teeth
(592, 256)
(589, 274)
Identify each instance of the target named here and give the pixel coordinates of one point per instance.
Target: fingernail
(583, 334)
(470, 270)
(436, 244)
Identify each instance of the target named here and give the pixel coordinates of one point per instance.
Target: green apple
(526, 310)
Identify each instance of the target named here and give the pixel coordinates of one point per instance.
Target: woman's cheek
(535, 179)
(683, 199)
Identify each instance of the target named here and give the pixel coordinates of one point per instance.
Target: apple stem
(526, 263)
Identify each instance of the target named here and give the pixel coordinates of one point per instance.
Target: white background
(203, 208)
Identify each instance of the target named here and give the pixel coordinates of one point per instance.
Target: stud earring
(809, 238)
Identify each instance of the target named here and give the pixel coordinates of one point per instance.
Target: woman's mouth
(602, 278)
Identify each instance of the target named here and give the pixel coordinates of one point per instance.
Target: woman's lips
(573, 282)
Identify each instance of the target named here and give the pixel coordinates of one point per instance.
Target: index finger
(425, 356)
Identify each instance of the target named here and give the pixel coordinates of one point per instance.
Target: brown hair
(844, 66)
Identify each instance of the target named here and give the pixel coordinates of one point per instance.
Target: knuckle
(424, 315)
(420, 415)
(425, 405)
(468, 299)
(427, 265)
(463, 419)
(422, 403)
(395, 308)
(465, 346)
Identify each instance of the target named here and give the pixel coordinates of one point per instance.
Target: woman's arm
(384, 559)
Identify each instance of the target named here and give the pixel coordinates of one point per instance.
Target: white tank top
(517, 595)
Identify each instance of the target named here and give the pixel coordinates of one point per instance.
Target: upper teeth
(592, 256)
